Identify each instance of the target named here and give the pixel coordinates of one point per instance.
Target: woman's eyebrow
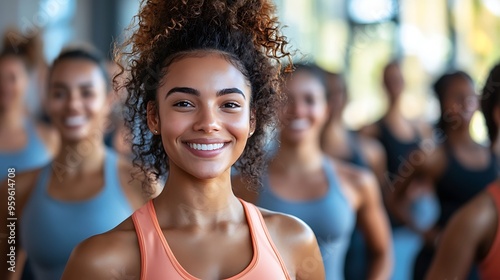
(193, 91)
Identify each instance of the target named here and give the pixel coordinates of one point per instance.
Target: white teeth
(74, 121)
(206, 147)
(299, 124)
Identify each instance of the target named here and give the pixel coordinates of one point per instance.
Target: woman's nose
(207, 120)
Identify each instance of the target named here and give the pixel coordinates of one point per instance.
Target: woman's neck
(335, 135)
(394, 111)
(11, 119)
(459, 135)
(298, 157)
(188, 201)
(79, 157)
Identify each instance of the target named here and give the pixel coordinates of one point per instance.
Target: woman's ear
(153, 118)
(253, 123)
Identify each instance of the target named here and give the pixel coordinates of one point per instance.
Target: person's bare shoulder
(374, 152)
(132, 179)
(111, 255)
(295, 242)
(361, 181)
(477, 221)
(357, 177)
(370, 130)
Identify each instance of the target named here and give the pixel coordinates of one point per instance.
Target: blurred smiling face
(460, 99)
(202, 115)
(77, 103)
(306, 111)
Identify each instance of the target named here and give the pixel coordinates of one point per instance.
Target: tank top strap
(263, 242)
(156, 262)
(42, 181)
(331, 177)
(111, 176)
(112, 182)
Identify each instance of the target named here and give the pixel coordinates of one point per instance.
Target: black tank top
(458, 184)
(397, 152)
(395, 149)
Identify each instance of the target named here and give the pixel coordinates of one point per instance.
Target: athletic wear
(51, 228)
(158, 261)
(331, 218)
(458, 185)
(454, 189)
(32, 156)
(424, 209)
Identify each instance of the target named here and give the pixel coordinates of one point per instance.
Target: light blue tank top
(51, 228)
(32, 156)
(331, 217)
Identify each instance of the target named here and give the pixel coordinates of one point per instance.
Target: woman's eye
(58, 94)
(231, 105)
(309, 100)
(183, 104)
(87, 93)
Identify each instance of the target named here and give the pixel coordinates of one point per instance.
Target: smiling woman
(208, 106)
(86, 189)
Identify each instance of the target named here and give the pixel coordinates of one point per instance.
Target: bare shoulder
(287, 227)
(111, 255)
(477, 219)
(435, 159)
(372, 149)
(132, 179)
(296, 244)
(357, 177)
(242, 190)
(370, 130)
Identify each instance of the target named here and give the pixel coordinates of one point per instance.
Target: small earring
(155, 131)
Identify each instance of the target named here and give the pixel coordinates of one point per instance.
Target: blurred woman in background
(87, 189)
(341, 143)
(400, 137)
(302, 180)
(458, 167)
(25, 144)
(473, 234)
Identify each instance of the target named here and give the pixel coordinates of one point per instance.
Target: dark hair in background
(440, 89)
(341, 78)
(490, 100)
(312, 69)
(17, 51)
(9, 53)
(30, 48)
(245, 32)
(83, 53)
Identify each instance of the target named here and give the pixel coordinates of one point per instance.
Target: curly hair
(490, 99)
(246, 32)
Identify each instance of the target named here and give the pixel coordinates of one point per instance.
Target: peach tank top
(158, 262)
